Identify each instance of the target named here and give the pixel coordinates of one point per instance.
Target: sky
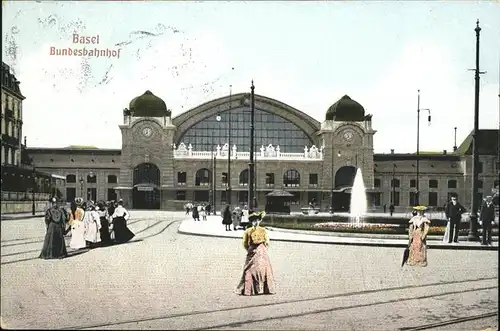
(305, 54)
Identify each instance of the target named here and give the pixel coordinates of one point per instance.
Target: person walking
(104, 219)
(227, 218)
(76, 224)
(54, 245)
(454, 211)
(486, 219)
(92, 225)
(120, 217)
(391, 209)
(195, 213)
(417, 236)
(257, 277)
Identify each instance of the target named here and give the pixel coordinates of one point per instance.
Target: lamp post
(228, 177)
(33, 208)
(455, 140)
(393, 195)
(417, 195)
(251, 164)
(473, 236)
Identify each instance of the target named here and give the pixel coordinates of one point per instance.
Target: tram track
(458, 320)
(136, 239)
(341, 303)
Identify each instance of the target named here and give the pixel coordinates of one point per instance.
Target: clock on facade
(147, 132)
(348, 135)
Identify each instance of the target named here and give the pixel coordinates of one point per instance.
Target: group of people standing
(91, 225)
(238, 218)
(420, 225)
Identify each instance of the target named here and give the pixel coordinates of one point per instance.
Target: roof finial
(477, 26)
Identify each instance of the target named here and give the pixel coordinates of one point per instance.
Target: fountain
(358, 200)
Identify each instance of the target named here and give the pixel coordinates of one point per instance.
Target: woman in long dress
(92, 226)
(418, 229)
(257, 275)
(77, 226)
(120, 217)
(54, 245)
(104, 230)
(227, 219)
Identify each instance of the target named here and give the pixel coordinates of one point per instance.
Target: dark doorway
(146, 193)
(345, 177)
(341, 201)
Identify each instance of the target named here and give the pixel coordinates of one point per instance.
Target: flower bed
(366, 228)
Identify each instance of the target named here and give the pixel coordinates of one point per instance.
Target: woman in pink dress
(257, 275)
(417, 233)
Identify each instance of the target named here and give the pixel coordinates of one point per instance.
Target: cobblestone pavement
(166, 280)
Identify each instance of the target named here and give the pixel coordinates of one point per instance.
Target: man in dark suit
(453, 213)
(486, 219)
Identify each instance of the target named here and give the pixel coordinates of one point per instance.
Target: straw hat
(420, 208)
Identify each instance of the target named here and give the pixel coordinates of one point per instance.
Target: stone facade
(335, 146)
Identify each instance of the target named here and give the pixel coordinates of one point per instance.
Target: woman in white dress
(77, 227)
(92, 223)
(245, 222)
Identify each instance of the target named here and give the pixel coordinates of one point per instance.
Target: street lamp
(473, 236)
(417, 195)
(251, 165)
(455, 140)
(228, 177)
(393, 195)
(33, 208)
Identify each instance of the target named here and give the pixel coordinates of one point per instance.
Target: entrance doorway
(344, 179)
(146, 193)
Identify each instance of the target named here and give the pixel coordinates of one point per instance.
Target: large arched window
(269, 129)
(70, 178)
(244, 178)
(202, 177)
(146, 173)
(291, 178)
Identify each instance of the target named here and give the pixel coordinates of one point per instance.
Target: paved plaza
(164, 279)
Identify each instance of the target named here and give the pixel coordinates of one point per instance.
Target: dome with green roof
(346, 109)
(148, 105)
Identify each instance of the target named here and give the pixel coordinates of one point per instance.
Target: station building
(167, 161)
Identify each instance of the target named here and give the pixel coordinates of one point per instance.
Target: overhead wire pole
(228, 178)
(251, 163)
(473, 236)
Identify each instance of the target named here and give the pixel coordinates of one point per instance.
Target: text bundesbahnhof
(95, 52)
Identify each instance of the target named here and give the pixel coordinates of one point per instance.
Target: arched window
(291, 178)
(70, 178)
(269, 129)
(244, 178)
(146, 173)
(112, 179)
(203, 177)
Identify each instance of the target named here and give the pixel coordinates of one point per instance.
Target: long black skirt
(104, 231)
(54, 246)
(122, 232)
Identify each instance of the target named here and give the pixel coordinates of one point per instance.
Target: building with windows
(166, 161)
(22, 185)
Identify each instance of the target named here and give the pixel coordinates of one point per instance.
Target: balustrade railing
(267, 153)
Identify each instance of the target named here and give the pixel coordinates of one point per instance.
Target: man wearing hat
(486, 219)
(453, 213)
